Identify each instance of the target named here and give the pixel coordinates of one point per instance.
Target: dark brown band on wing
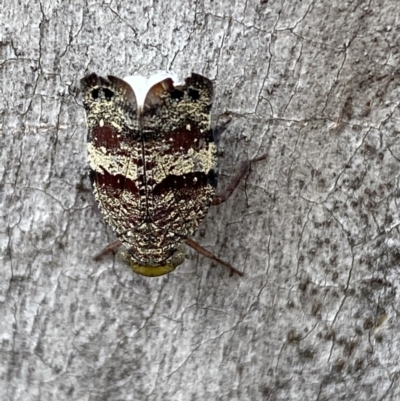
(114, 183)
(105, 136)
(185, 138)
(185, 183)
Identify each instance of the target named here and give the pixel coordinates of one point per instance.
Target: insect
(153, 163)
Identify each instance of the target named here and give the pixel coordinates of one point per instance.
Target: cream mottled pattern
(178, 211)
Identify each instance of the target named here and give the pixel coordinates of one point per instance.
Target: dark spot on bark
(293, 336)
(338, 365)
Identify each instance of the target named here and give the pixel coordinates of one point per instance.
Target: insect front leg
(244, 170)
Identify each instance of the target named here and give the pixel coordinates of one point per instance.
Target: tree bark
(315, 228)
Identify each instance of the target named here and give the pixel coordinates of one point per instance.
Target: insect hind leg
(202, 251)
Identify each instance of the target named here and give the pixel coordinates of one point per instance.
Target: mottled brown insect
(153, 166)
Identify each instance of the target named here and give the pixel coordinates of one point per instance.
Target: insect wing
(114, 148)
(179, 154)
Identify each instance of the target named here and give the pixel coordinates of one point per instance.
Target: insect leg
(198, 248)
(243, 171)
(108, 249)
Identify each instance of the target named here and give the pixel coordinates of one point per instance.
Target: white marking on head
(141, 85)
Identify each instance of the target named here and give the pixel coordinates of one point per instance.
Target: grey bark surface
(315, 228)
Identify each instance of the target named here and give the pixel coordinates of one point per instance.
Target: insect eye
(108, 93)
(176, 95)
(194, 94)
